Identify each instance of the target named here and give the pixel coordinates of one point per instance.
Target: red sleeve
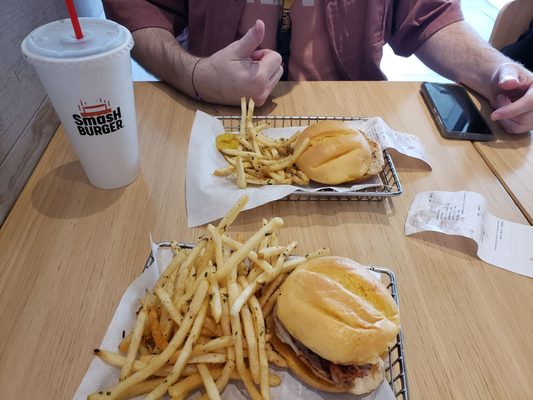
(137, 14)
(414, 21)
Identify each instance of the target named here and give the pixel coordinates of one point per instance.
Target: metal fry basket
(395, 369)
(391, 183)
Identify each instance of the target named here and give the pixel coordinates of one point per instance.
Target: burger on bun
(333, 321)
(338, 154)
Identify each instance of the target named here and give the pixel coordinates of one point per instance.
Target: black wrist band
(197, 96)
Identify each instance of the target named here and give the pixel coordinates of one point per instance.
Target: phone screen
(455, 108)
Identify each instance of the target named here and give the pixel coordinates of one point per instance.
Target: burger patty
(338, 374)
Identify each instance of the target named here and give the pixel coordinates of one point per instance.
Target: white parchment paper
(501, 243)
(209, 196)
(101, 376)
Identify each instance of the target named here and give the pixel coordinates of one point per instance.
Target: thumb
(245, 46)
(508, 77)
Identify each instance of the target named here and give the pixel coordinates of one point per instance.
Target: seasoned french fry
(208, 358)
(190, 383)
(268, 252)
(242, 153)
(228, 219)
(243, 115)
(244, 142)
(214, 292)
(221, 342)
(155, 328)
(260, 328)
(183, 271)
(118, 360)
(269, 289)
(173, 376)
(236, 328)
(167, 302)
(251, 341)
(240, 254)
(172, 268)
(290, 265)
(270, 303)
(224, 378)
(124, 344)
(140, 388)
(275, 358)
(212, 326)
(274, 379)
(224, 171)
(134, 344)
(252, 255)
(209, 383)
(250, 113)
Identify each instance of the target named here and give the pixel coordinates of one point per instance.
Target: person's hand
(512, 87)
(239, 69)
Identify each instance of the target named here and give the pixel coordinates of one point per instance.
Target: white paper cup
(89, 84)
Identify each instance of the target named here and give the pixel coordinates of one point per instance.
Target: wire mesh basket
(395, 369)
(391, 182)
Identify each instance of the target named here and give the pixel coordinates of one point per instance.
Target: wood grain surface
(70, 250)
(511, 159)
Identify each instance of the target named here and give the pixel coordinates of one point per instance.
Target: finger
(262, 95)
(276, 76)
(525, 119)
(502, 100)
(508, 77)
(520, 106)
(273, 81)
(246, 45)
(270, 62)
(513, 127)
(257, 55)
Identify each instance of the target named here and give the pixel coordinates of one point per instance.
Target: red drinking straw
(74, 19)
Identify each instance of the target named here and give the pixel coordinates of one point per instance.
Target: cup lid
(56, 40)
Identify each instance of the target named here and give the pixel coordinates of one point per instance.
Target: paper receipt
(504, 244)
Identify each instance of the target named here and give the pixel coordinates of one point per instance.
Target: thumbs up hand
(239, 69)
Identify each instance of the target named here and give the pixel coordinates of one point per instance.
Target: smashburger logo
(98, 119)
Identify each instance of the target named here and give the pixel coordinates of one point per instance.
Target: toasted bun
(306, 375)
(338, 154)
(339, 310)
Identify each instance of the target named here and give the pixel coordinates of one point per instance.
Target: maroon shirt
(357, 29)
(311, 55)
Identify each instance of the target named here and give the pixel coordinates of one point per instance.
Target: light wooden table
(69, 250)
(511, 159)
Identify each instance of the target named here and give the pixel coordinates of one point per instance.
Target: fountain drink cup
(89, 83)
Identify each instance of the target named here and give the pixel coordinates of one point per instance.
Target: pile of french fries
(203, 323)
(254, 158)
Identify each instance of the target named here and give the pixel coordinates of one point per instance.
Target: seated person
(228, 52)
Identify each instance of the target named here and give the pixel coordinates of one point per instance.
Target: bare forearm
(460, 54)
(235, 71)
(158, 51)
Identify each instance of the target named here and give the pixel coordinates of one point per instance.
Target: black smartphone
(454, 112)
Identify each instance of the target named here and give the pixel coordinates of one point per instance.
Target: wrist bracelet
(197, 96)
